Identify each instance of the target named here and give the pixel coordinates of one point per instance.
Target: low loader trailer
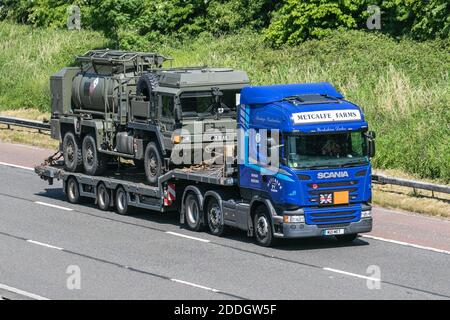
(300, 168)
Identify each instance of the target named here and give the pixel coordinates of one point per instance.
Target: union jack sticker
(326, 198)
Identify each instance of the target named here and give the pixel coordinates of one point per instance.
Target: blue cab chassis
(322, 184)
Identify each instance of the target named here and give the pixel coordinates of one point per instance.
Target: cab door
(167, 121)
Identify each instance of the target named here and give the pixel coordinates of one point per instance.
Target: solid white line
(351, 274)
(194, 285)
(407, 244)
(185, 236)
(15, 166)
(44, 244)
(53, 206)
(21, 292)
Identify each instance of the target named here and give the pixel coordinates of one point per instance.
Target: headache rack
(121, 61)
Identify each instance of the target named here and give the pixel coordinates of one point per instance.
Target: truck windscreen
(326, 150)
(202, 103)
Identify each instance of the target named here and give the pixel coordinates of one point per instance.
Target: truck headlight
(366, 214)
(294, 219)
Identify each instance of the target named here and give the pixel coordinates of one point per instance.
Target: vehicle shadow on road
(316, 243)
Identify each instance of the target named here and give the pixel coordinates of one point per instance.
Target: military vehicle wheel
(121, 201)
(262, 227)
(152, 163)
(94, 163)
(73, 190)
(103, 197)
(72, 152)
(347, 237)
(193, 212)
(214, 216)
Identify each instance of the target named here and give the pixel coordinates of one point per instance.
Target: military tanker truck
(120, 104)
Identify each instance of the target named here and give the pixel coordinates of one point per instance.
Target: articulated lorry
(280, 161)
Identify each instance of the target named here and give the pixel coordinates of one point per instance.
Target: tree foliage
(137, 23)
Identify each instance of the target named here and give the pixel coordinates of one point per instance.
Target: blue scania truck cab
(321, 185)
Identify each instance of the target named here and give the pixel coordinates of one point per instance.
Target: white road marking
(44, 244)
(53, 206)
(15, 166)
(21, 292)
(351, 274)
(194, 285)
(402, 243)
(185, 236)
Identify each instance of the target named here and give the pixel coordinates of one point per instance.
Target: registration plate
(332, 232)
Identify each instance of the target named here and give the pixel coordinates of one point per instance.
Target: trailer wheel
(94, 163)
(103, 197)
(73, 190)
(72, 152)
(121, 201)
(263, 227)
(215, 216)
(193, 212)
(344, 238)
(152, 163)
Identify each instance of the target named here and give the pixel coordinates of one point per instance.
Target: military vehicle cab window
(167, 106)
(202, 103)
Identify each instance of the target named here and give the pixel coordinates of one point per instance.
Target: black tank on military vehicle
(125, 104)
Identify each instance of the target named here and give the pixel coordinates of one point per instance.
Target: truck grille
(332, 215)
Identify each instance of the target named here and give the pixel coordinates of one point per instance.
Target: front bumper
(303, 230)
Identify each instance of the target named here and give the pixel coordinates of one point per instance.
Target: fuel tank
(94, 92)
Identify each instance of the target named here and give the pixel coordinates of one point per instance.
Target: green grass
(403, 86)
(28, 56)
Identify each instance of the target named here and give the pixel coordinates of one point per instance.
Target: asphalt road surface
(51, 249)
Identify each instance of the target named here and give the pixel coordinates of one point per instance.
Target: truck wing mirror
(371, 148)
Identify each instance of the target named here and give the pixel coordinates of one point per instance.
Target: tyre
(94, 163)
(72, 152)
(121, 201)
(103, 197)
(73, 190)
(215, 217)
(146, 85)
(193, 212)
(262, 227)
(152, 163)
(347, 237)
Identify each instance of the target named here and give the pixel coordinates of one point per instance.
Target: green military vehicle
(125, 104)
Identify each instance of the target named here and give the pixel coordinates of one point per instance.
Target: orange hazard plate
(341, 197)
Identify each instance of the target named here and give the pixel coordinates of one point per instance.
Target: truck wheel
(152, 163)
(193, 212)
(93, 162)
(72, 152)
(347, 237)
(121, 201)
(262, 227)
(214, 216)
(103, 197)
(73, 190)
